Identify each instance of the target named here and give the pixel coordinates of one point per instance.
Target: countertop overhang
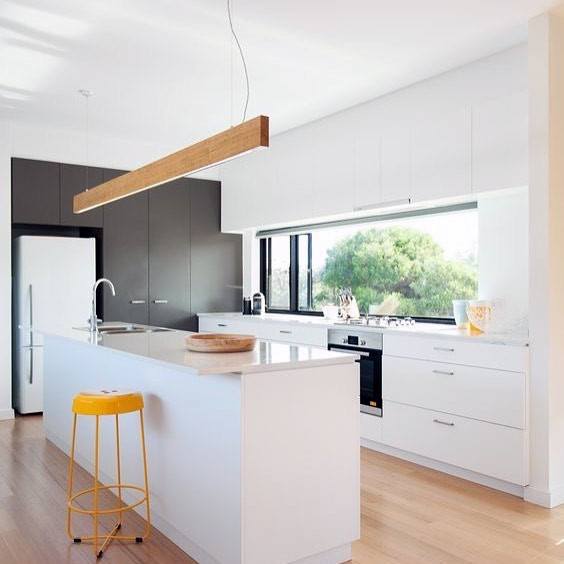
(168, 347)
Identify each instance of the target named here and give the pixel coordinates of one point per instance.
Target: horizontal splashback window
(400, 264)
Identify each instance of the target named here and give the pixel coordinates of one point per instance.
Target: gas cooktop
(380, 321)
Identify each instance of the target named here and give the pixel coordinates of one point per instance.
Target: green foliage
(398, 266)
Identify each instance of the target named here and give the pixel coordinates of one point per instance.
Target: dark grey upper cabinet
(35, 192)
(126, 261)
(169, 255)
(75, 179)
(216, 258)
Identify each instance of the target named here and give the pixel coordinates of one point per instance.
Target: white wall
(546, 141)
(69, 146)
(5, 276)
(504, 255)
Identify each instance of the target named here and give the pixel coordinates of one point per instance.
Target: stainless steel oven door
(370, 378)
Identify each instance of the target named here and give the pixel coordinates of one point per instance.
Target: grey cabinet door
(75, 179)
(169, 255)
(35, 192)
(126, 260)
(216, 258)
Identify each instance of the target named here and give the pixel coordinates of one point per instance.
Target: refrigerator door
(53, 285)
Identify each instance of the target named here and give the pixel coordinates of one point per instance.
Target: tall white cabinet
(445, 139)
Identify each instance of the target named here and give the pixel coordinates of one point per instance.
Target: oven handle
(350, 351)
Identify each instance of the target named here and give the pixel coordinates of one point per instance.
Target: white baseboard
(337, 555)
(545, 498)
(6, 414)
(507, 487)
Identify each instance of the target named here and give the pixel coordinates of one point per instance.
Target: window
(407, 264)
(279, 273)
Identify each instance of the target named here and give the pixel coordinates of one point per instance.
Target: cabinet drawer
(216, 325)
(491, 395)
(493, 450)
(294, 333)
(502, 357)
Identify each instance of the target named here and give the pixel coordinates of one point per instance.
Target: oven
(368, 345)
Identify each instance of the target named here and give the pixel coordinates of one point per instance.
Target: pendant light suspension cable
(87, 93)
(242, 59)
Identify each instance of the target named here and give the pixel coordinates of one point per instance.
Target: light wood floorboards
(409, 514)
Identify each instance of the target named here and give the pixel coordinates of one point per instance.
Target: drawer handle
(285, 332)
(447, 423)
(443, 349)
(221, 325)
(158, 302)
(445, 372)
(136, 302)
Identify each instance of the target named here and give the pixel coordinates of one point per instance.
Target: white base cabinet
(469, 391)
(494, 450)
(271, 330)
(449, 401)
(460, 403)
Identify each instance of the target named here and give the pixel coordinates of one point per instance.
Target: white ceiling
(161, 70)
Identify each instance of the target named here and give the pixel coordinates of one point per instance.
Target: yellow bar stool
(100, 403)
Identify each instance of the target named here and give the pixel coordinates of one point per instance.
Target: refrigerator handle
(31, 334)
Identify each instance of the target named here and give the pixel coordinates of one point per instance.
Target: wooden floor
(409, 514)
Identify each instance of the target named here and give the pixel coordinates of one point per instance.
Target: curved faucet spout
(104, 281)
(93, 321)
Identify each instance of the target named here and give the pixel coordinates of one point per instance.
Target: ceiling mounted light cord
(242, 59)
(87, 93)
(222, 147)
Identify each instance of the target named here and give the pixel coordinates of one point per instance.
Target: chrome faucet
(93, 321)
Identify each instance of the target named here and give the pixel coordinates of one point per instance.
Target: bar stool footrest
(119, 509)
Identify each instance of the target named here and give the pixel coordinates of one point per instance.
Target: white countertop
(435, 330)
(168, 347)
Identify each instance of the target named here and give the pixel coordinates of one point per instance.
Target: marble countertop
(435, 330)
(168, 347)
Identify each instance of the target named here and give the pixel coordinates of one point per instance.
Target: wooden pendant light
(247, 136)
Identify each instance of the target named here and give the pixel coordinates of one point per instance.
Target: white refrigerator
(53, 279)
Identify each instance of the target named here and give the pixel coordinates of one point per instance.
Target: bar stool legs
(70, 475)
(100, 541)
(145, 473)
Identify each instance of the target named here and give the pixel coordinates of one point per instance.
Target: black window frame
(266, 268)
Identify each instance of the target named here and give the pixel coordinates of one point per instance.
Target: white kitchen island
(253, 457)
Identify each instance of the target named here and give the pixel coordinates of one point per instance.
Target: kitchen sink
(125, 329)
(117, 329)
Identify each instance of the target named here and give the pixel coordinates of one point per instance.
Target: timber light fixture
(236, 141)
(231, 143)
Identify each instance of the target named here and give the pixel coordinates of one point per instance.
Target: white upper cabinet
(441, 155)
(448, 137)
(235, 191)
(395, 154)
(293, 167)
(247, 188)
(500, 143)
(367, 163)
(331, 144)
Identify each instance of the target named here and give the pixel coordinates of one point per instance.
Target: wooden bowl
(220, 342)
